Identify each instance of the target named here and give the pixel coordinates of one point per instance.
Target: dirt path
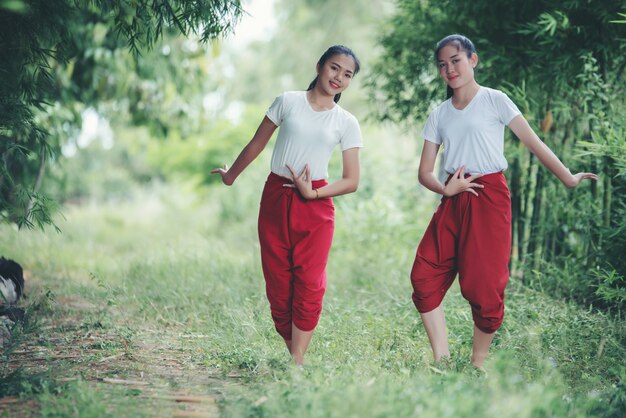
(155, 367)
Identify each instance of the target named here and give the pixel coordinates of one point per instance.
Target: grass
(166, 290)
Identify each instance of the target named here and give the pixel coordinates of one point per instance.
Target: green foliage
(53, 53)
(175, 266)
(612, 288)
(80, 399)
(191, 158)
(304, 30)
(563, 64)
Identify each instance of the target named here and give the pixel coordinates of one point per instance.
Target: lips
(334, 85)
(454, 77)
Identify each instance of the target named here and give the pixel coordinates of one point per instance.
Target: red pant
(295, 236)
(472, 236)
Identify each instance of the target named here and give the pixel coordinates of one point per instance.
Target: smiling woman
(470, 233)
(296, 218)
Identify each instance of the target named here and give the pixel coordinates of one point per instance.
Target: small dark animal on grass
(11, 288)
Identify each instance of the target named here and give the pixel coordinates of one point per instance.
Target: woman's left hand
(302, 182)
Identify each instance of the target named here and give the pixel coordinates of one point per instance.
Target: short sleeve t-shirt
(473, 136)
(307, 136)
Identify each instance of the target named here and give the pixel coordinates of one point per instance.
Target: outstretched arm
(348, 183)
(249, 153)
(458, 182)
(520, 127)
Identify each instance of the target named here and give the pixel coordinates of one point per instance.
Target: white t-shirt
(307, 136)
(474, 136)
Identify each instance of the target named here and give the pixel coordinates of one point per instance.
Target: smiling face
(336, 73)
(455, 67)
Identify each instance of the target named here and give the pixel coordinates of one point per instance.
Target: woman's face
(455, 67)
(336, 73)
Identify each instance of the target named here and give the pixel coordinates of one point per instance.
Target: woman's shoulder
(493, 93)
(289, 100)
(500, 102)
(440, 108)
(290, 96)
(493, 96)
(293, 94)
(346, 115)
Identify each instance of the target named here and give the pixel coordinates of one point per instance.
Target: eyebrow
(453, 56)
(339, 65)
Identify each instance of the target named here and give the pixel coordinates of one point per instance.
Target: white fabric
(474, 136)
(309, 137)
(8, 294)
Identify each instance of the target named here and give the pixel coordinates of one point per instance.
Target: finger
(458, 172)
(474, 177)
(293, 173)
(290, 185)
(477, 185)
(462, 172)
(308, 172)
(303, 173)
(474, 192)
(216, 171)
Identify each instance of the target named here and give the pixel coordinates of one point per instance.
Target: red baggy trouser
(295, 236)
(469, 235)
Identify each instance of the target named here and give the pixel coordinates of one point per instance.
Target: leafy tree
(305, 29)
(563, 63)
(49, 64)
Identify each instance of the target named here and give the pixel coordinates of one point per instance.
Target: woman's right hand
(458, 183)
(224, 173)
(577, 178)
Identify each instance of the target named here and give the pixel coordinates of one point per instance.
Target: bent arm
(458, 182)
(249, 153)
(349, 181)
(520, 127)
(426, 172)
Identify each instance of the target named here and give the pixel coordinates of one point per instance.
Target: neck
(465, 93)
(321, 99)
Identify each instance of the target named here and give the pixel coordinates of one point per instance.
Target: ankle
(442, 356)
(297, 360)
(478, 360)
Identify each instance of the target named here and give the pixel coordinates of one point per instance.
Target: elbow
(421, 178)
(352, 186)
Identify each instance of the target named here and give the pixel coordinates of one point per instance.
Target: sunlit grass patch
(165, 279)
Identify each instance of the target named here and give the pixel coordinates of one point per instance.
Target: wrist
(571, 182)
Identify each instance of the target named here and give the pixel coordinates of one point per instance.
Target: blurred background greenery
(103, 98)
(113, 113)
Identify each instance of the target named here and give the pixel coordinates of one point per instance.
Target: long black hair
(331, 52)
(462, 42)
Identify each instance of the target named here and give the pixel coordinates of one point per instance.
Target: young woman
(296, 217)
(470, 233)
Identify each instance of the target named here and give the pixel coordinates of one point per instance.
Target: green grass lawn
(167, 290)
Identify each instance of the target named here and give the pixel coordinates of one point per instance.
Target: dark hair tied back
(331, 52)
(462, 42)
